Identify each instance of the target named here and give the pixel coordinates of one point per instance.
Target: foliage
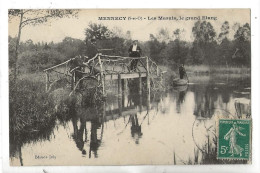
(29, 107)
(33, 17)
(36, 17)
(70, 47)
(97, 31)
(224, 31)
(242, 43)
(208, 48)
(33, 61)
(204, 42)
(11, 45)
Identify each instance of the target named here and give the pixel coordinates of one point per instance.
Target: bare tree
(34, 17)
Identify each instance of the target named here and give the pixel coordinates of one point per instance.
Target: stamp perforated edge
(249, 159)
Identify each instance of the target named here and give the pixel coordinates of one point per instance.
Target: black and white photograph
(103, 87)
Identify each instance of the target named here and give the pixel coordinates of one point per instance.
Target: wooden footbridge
(103, 68)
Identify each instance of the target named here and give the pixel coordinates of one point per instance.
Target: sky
(57, 30)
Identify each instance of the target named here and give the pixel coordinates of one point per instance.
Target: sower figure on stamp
(134, 51)
(232, 137)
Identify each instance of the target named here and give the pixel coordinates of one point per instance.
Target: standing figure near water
(134, 51)
(182, 71)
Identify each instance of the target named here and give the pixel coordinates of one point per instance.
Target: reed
(197, 69)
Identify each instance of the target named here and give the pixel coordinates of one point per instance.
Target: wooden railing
(102, 65)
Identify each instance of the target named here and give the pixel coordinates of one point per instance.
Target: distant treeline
(166, 47)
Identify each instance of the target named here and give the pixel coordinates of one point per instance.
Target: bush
(30, 109)
(34, 61)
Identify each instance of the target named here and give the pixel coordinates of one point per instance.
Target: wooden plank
(59, 64)
(122, 57)
(124, 76)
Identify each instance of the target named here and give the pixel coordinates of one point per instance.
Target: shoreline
(204, 69)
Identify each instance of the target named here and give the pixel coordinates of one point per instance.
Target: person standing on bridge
(134, 51)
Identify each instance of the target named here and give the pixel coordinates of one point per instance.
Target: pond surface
(179, 127)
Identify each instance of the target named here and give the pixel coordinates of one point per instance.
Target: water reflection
(136, 129)
(181, 98)
(79, 133)
(160, 127)
(80, 129)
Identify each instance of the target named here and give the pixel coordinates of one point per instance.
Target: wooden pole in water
(148, 85)
(147, 76)
(104, 81)
(102, 76)
(119, 86)
(123, 85)
(140, 103)
(120, 105)
(126, 84)
(72, 80)
(123, 81)
(47, 80)
(140, 84)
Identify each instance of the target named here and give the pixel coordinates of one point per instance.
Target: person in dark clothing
(182, 71)
(134, 51)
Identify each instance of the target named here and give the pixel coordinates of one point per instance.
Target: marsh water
(177, 126)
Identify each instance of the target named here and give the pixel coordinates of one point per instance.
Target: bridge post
(148, 85)
(72, 80)
(140, 83)
(47, 81)
(119, 86)
(102, 76)
(123, 85)
(120, 105)
(140, 103)
(104, 83)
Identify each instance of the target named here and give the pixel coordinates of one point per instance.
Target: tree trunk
(15, 65)
(16, 49)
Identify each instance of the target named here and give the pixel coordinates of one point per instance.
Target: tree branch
(34, 19)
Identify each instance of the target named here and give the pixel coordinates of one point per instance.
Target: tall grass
(217, 69)
(30, 108)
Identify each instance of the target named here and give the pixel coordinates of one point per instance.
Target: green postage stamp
(234, 139)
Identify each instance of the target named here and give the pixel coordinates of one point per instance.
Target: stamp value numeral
(223, 149)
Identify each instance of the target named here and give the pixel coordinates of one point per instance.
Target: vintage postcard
(94, 87)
